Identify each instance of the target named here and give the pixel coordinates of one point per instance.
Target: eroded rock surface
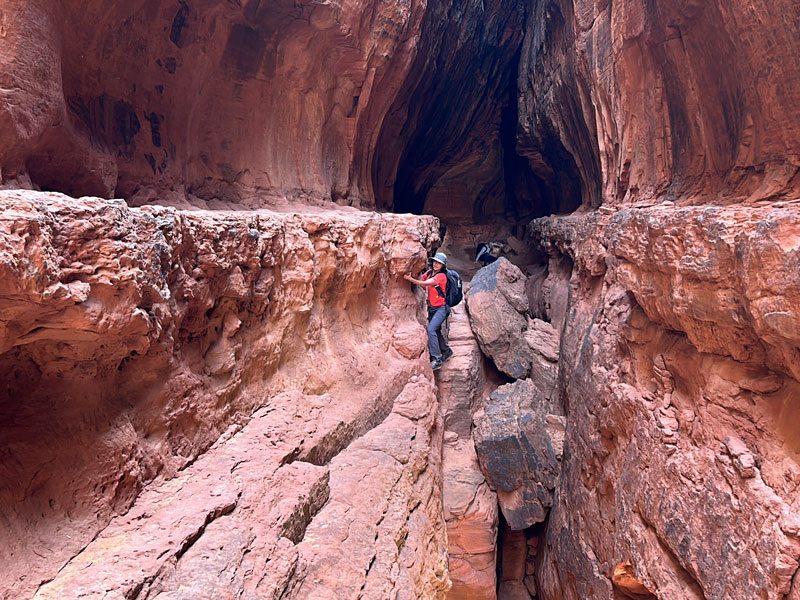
(681, 460)
(134, 338)
(519, 440)
(497, 305)
(201, 100)
(629, 101)
(253, 516)
(470, 506)
(247, 104)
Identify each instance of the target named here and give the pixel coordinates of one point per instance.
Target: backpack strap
(428, 274)
(438, 287)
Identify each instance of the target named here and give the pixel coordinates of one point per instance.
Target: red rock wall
(202, 97)
(132, 339)
(678, 364)
(682, 99)
(231, 104)
(679, 373)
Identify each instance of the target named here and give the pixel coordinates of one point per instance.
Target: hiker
(435, 280)
(487, 252)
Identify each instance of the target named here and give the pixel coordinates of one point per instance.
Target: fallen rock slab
(497, 305)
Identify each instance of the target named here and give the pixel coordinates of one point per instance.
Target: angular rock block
(543, 340)
(497, 304)
(519, 442)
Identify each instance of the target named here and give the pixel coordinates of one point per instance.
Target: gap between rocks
(503, 433)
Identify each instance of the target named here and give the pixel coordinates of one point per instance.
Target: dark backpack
(454, 294)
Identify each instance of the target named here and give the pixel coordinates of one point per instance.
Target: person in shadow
(487, 252)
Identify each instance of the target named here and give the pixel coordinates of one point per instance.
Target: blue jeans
(436, 341)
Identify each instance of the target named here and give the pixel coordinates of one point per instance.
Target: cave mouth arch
(454, 148)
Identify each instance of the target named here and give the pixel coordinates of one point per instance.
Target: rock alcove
(214, 379)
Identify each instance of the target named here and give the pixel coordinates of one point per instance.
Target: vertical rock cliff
(676, 299)
(220, 400)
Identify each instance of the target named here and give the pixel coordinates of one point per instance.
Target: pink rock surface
(209, 98)
(133, 338)
(252, 516)
(470, 507)
(677, 99)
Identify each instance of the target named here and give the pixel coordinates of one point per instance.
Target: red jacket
(436, 299)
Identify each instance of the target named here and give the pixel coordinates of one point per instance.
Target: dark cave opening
(464, 158)
(517, 552)
(460, 152)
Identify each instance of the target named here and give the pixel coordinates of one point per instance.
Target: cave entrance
(517, 553)
(490, 187)
(456, 148)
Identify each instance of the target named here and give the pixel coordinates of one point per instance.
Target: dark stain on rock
(171, 65)
(155, 129)
(244, 52)
(126, 123)
(109, 124)
(179, 24)
(151, 160)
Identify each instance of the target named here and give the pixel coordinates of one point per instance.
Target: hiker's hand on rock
(408, 277)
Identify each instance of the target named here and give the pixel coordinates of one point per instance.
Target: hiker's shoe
(447, 355)
(436, 364)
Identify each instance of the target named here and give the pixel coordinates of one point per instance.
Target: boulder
(519, 440)
(543, 340)
(497, 304)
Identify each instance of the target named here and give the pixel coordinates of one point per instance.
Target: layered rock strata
(133, 339)
(631, 99)
(680, 471)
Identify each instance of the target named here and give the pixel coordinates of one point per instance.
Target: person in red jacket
(436, 282)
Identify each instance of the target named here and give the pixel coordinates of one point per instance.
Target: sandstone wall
(679, 379)
(224, 104)
(210, 98)
(663, 98)
(134, 339)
